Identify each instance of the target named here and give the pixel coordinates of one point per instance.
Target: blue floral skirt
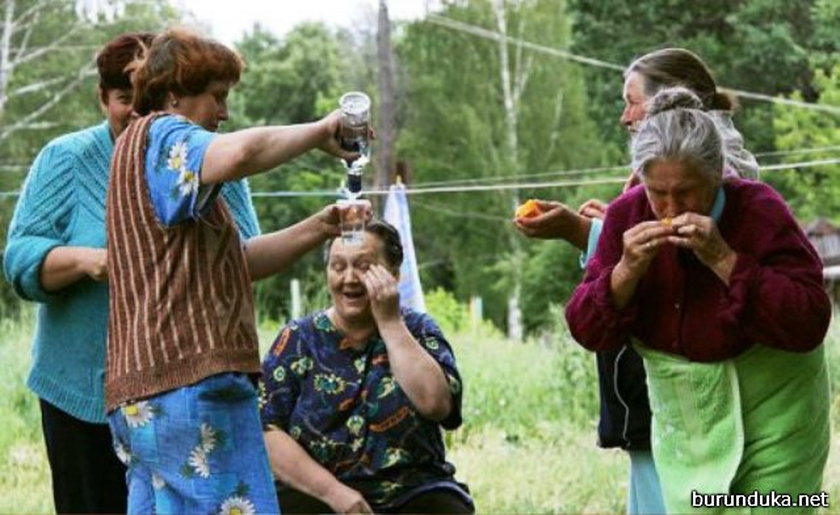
(196, 449)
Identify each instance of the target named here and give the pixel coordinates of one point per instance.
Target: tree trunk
(386, 121)
(510, 91)
(6, 51)
(17, 54)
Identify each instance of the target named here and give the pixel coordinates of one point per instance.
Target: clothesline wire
(590, 61)
(514, 177)
(584, 171)
(498, 187)
(811, 150)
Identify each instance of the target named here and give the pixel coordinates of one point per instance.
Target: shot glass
(353, 215)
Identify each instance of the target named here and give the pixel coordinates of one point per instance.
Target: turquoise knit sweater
(63, 204)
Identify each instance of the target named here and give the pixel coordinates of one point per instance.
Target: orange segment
(529, 209)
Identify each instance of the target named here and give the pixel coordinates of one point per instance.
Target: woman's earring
(174, 102)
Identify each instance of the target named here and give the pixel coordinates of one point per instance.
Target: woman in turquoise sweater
(56, 256)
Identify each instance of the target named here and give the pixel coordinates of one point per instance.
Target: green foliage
(454, 127)
(10, 304)
(453, 124)
(549, 277)
(812, 192)
(24, 481)
(527, 389)
(451, 315)
(294, 80)
(59, 67)
(529, 410)
(284, 79)
(755, 45)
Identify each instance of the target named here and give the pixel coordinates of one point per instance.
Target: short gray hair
(677, 129)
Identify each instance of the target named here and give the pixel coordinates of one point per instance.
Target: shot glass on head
(353, 215)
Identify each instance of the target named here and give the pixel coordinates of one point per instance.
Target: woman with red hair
(182, 341)
(56, 256)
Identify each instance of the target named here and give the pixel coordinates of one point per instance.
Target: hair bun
(673, 98)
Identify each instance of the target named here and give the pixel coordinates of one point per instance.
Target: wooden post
(386, 121)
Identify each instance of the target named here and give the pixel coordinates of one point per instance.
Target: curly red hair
(184, 63)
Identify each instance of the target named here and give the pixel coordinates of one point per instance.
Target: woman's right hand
(94, 263)
(343, 499)
(329, 143)
(641, 244)
(556, 221)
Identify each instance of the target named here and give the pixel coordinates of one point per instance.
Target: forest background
(467, 110)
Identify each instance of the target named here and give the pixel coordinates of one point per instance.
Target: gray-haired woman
(720, 291)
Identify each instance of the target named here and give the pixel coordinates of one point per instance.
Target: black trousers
(87, 477)
(434, 501)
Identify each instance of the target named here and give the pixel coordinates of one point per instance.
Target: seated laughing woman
(715, 284)
(353, 397)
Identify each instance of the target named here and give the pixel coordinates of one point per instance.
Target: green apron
(758, 422)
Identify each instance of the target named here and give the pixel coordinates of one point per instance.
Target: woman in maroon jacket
(694, 268)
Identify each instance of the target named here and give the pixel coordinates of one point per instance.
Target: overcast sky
(228, 19)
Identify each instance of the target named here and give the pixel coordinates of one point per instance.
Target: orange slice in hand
(529, 209)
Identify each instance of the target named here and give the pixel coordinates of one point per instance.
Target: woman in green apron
(718, 288)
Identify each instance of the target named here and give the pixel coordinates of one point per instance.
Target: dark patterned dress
(346, 409)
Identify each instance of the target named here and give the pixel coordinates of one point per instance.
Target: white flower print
(138, 414)
(122, 453)
(198, 462)
(237, 505)
(208, 438)
(177, 156)
(157, 482)
(395, 455)
(187, 182)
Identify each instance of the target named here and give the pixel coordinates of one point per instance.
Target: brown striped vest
(181, 306)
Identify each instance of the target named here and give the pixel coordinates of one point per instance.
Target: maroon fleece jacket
(775, 295)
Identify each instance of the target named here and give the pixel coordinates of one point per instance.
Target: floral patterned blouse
(344, 407)
(174, 155)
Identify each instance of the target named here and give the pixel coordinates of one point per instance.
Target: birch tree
(23, 43)
(47, 79)
(476, 108)
(513, 78)
(47, 61)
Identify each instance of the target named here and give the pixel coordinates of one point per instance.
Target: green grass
(527, 445)
(24, 473)
(528, 441)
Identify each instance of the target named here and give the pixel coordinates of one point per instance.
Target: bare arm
(418, 374)
(272, 253)
(292, 465)
(557, 221)
(64, 266)
(251, 151)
